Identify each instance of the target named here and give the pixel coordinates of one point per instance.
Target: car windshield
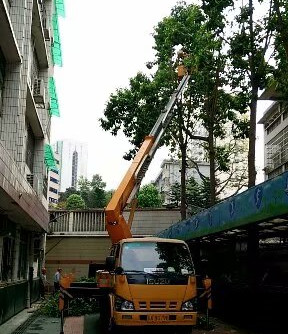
(156, 257)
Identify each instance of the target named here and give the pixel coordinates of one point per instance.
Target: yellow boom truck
(150, 281)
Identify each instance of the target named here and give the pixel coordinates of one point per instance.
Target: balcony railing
(77, 222)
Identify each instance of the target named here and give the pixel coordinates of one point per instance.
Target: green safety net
(60, 9)
(54, 105)
(56, 46)
(49, 157)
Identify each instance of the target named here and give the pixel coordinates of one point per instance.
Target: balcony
(8, 42)
(38, 33)
(19, 201)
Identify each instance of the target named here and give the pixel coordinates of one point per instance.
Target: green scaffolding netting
(56, 46)
(54, 105)
(60, 9)
(49, 157)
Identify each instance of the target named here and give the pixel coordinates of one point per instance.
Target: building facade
(28, 99)
(73, 159)
(275, 121)
(171, 173)
(53, 187)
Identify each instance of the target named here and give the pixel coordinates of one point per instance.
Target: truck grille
(158, 305)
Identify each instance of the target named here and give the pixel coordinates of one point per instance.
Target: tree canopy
(149, 197)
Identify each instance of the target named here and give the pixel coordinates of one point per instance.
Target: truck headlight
(123, 304)
(190, 305)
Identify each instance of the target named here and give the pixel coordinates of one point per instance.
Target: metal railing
(77, 222)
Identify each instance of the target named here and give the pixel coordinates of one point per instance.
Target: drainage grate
(22, 328)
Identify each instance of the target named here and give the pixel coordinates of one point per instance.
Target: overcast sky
(104, 43)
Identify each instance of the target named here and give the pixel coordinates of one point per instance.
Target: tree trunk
(252, 138)
(183, 182)
(212, 168)
(253, 103)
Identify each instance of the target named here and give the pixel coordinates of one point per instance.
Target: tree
(206, 101)
(84, 189)
(149, 197)
(75, 202)
(249, 67)
(197, 195)
(97, 196)
(69, 191)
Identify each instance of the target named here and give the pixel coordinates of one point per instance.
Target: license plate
(157, 317)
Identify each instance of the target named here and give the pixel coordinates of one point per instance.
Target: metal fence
(77, 222)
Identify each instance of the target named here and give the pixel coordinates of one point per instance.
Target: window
(30, 147)
(2, 75)
(273, 125)
(22, 262)
(52, 200)
(52, 179)
(53, 190)
(7, 259)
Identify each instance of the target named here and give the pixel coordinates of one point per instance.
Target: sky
(104, 43)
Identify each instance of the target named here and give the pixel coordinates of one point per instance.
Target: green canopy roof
(60, 9)
(54, 105)
(49, 157)
(56, 46)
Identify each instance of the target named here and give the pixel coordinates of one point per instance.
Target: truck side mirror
(110, 262)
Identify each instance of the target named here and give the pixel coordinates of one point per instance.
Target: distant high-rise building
(73, 159)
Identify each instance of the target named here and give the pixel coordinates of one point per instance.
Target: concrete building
(27, 101)
(275, 121)
(73, 158)
(170, 173)
(54, 183)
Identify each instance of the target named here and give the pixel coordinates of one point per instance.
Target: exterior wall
(24, 130)
(65, 149)
(78, 239)
(170, 174)
(54, 183)
(275, 121)
(74, 254)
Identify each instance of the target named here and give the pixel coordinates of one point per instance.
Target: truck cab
(154, 283)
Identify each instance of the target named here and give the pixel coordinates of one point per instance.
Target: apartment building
(53, 187)
(29, 48)
(275, 121)
(171, 173)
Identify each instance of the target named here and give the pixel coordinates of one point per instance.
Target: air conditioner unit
(30, 179)
(47, 34)
(39, 91)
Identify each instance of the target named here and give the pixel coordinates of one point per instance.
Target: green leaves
(75, 202)
(149, 197)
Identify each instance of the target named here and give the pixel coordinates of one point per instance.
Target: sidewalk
(30, 321)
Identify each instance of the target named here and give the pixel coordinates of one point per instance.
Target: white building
(29, 37)
(53, 187)
(275, 121)
(171, 173)
(73, 159)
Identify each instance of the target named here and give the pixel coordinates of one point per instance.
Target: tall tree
(249, 69)
(135, 109)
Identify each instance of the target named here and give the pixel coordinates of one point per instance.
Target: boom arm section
(116, 225)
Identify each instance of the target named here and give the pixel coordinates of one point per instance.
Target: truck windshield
(156, 257)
